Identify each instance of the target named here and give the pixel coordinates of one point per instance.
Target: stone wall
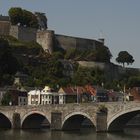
(46, 40)
(23, 33)
(67, 42)
(4, 27)
(111, 70)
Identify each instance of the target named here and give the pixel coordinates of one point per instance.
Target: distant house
(70, 94)
(48, 96)
(34, 97)
(45, 96)
(97, 93)
(74, 94)
(17, 97)
(20, 78)
(114, 96)
(22, 98)
(135, 92)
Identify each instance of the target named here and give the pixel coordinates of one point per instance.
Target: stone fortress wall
(46, 38)
(4, 25)
(49, 40)
(67, 42)
(23, 33)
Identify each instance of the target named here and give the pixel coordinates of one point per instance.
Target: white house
(34, 97)
(49, 97)
(46, 96)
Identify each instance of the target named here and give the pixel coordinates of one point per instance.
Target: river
(85, 134)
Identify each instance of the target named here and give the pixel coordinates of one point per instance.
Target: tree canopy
(125, 57)
(22, 17)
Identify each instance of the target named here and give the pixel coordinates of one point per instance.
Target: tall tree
(125, 57)
(24, 17)
(15, 15)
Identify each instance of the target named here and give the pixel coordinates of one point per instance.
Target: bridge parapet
(88, 110)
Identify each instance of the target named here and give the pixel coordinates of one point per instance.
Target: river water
(85, 134)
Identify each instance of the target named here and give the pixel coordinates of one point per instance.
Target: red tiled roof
(90, 90)
(74, 90)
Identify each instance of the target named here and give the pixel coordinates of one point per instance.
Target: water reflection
(83, 134)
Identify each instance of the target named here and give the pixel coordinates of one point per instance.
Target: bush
(102, 109)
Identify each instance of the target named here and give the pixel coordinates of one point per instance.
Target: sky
(118, 21)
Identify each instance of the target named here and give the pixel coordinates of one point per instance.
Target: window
(20, 99)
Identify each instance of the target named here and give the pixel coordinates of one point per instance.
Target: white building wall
(34, 97)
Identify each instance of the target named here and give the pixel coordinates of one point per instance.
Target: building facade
(45, 96)
(34, 97)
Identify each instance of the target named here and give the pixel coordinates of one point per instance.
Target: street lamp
(124, 90)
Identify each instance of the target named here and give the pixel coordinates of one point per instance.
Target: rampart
(67, 42)
(23, 33)
(46, 38)
(4, 25)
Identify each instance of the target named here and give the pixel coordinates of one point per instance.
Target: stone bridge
(69, 116)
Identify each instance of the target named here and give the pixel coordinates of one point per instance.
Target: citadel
(51, 42)
(46, 38)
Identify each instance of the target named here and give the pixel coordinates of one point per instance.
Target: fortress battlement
(46, 38)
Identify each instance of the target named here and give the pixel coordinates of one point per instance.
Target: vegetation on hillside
(99, 54)
(43, 68)
(8, 63)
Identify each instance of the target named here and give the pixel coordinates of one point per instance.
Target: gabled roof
(72, 90)
(90, 90)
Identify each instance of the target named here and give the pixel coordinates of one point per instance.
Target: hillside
(57, 69)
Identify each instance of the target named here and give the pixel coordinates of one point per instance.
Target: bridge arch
(119, 120)
(35, 119)
(5, 122)
(74, 120)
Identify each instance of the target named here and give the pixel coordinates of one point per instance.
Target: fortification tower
(46, 39)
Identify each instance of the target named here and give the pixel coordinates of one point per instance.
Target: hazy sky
(117, 20)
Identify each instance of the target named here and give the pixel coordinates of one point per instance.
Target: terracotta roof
(68, 90)
(74, 90)
(90, 90)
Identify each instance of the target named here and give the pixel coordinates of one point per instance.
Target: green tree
(24, 17)
(70, 53)
(8, 63)
(125, 57)
(29, 19)
(103, 54)
(15, 14)
(99, 54)
(134, 81)
(85, 76)
(7, 98)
